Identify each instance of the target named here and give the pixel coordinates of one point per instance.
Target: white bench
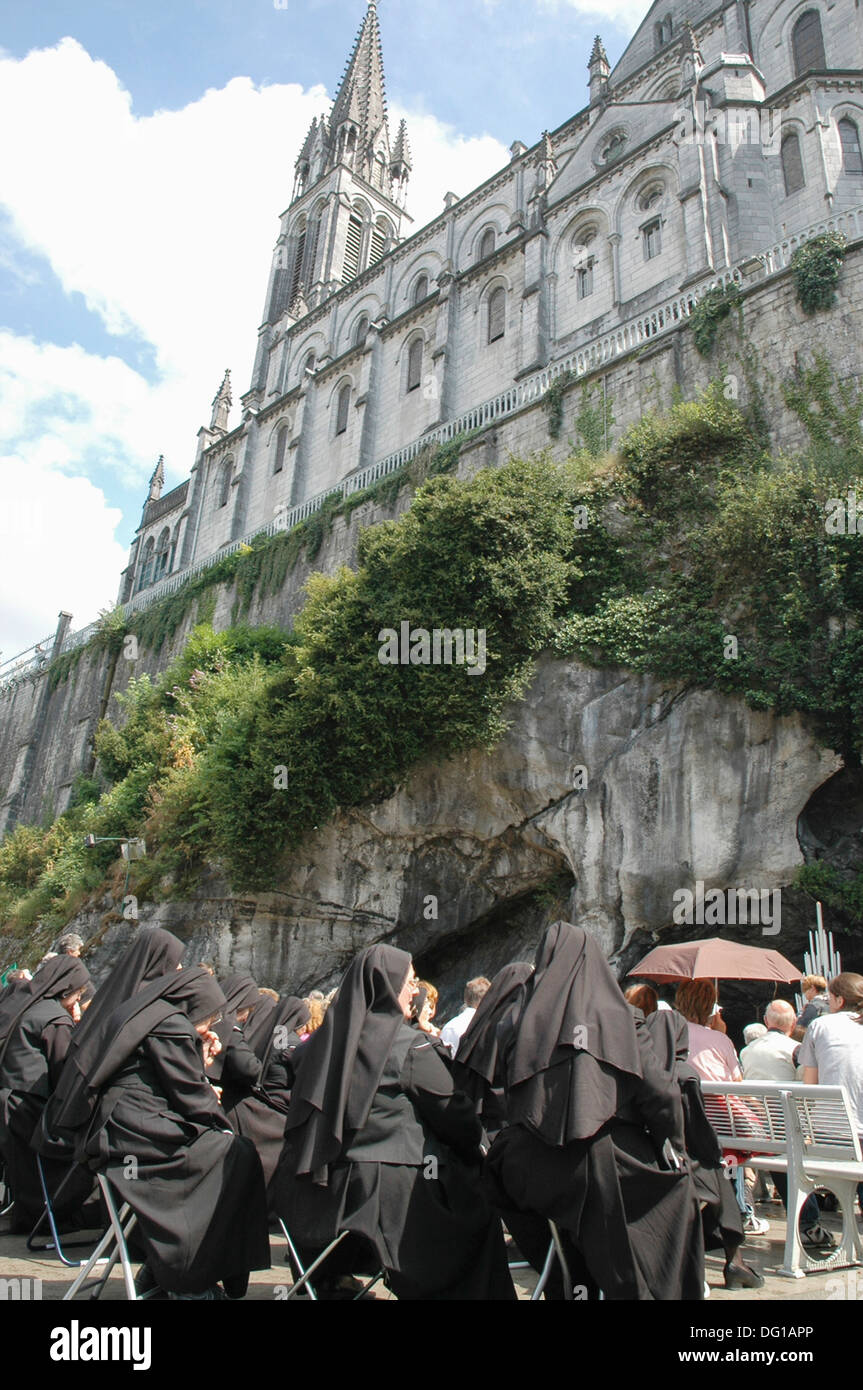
(806, 1131)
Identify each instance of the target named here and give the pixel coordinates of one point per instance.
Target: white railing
(34, 659)
(580, 362)
(849, 224)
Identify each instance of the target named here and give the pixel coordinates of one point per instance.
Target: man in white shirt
(771, 1057)
(452, 1032)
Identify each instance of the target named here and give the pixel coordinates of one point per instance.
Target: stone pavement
(764, 1253)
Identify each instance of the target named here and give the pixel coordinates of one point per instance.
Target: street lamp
(131, 847)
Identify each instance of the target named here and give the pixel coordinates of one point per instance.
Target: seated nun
(260, 1113)
(477, 1067)
(37, 1020)
(148, 1118)
(379, 1143)
(235, 1067)
(594, 1139)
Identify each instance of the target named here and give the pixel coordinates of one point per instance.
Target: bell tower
(347, 208)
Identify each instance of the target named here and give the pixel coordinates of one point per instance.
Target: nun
(152, 954)
(151, 1122)
(234, 1065)
(37, 1020)
(260, 1112)
(594, 1139)
(379, 1143)
(721, 1220)
(477, 1069)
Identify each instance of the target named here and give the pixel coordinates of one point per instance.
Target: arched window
(792, 164)
(807, 44)
(415, 364)
(163, 546)
(852, 158)
(281, 446)
(380, 235)
(663, 31)
(584, 260)
(147, 566)
(353, 248)
(496, 314)
(226, 480)
(362, 331)
(486, 243)
(308, 366)
(421, 289)
(342, 409)
(299, 256)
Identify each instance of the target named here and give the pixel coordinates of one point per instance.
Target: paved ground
(764, 1253)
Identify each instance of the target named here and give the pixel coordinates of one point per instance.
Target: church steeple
(157, 482)
(356, 134)
(222, 405)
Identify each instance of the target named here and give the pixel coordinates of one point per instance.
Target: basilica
(724, 129)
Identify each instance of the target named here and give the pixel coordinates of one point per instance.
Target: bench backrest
(747, 1115)
(777, 1116)
(824, 1127)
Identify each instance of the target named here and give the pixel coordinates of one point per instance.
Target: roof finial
(157, 482)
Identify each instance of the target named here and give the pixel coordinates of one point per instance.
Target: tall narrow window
(651, 237)
(486, 245)
(362, 331)
(147, 566)
(342, 409)
(311, 251)
(496, 314)
(807, 44)
(852, 158)
(227, 478)
(378, 242)
(281, 446)
(415, 364)
(353, 247)
(162, 549)
(299, 255)
(421, 289)
(792, 164)
(584, 279)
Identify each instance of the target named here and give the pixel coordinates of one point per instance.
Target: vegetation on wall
(711, 310)
(815, 269)
(552, 402)
(690, 554)
(258, 569)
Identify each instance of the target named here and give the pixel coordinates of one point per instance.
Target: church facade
(723, 129)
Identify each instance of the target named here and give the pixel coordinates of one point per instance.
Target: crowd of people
(214, 1107)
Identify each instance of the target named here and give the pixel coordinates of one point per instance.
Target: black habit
(161, 1138)
(380, 1143)
(589, 1112)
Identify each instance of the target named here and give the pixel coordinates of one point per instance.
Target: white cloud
(625, 15)
(165, 224)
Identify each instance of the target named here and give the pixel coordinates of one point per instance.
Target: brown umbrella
(714, 959)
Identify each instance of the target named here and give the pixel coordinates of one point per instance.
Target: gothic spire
(222, 404)
(402, 149)
(597, 53)
(361, 99)
(157, 482)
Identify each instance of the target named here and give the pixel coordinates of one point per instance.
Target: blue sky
(154, 148)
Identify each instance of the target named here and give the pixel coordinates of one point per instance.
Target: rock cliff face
(610, 792)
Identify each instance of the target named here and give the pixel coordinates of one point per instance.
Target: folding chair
(120, 1225)
(555, 1248)
(303, 1276)
(54, 1243)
